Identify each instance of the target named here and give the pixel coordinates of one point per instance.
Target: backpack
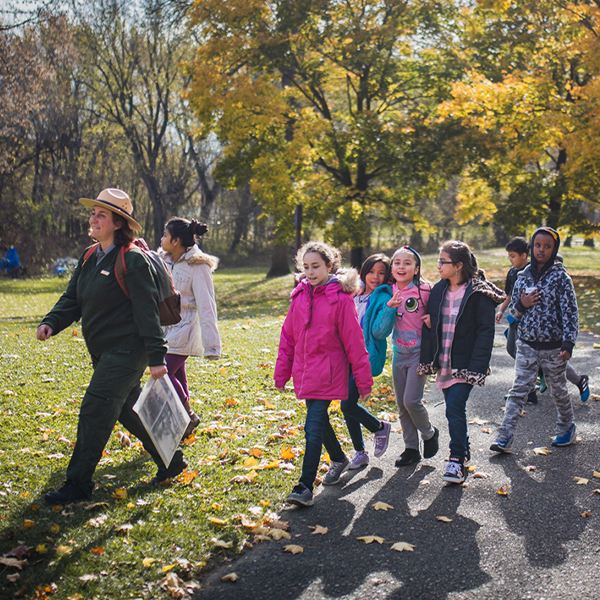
(169, 299)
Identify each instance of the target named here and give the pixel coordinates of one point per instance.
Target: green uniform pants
(113, 390)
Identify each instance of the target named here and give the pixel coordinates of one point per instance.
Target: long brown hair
(459, 252)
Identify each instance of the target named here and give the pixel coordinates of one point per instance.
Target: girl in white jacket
(197, 333)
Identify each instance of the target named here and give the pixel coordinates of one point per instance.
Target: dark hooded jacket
(554, 321)
(474, 333)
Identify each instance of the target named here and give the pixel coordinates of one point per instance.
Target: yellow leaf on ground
(596, 474)
(260, 530)
(293, 548)
(27, 523)
(261, 538)
(318, 529)
(381, 506)
(98, 551)
(286, 453)
(221, 543)
(168, 568)
(543, 451)
(503, 491)
(481, 475)
(41, 549)
(187, 477)
(250, 462)
(216, 521)
(61, 550)
(119, 493)
(230, 577)
(369, 539)
(256, 452)
(472, 468)
(581, 480)
(55, 529)
(147, 562)
(443, 519)
(403, 547)
(277, 534)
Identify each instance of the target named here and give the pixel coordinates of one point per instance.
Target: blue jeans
(456, 412)
(318, 432)
(356, 415)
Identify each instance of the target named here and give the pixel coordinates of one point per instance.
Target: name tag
(454, 312)
(104, 272)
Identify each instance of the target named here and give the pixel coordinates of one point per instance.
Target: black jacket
(474, 334)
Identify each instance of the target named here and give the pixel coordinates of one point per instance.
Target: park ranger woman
(123, 336)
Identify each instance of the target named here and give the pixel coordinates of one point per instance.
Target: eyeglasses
(444, 262)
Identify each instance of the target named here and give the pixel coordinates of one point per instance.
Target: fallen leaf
(13, 562)
(381, 506)
(216, 521)
(503, 491)
(148, 561)
(187, 477)
(125, 527)
(318, 529)
(250, 462)
(261, 538)
(287, 454)
(277, 534)
(477, 421)
(443, 519)
(596, 492)
(94, 505)
(543, 451)
(119, 493)
(293, 548)
(596, 474)
(230, 577)
(403, 547)
(581, 480)
(221, 543)
(587, 513)
(98, 551)
(55, 529)
(369, 539)
(41, 549)
(13, 578)
(260, 530)
(481, 475)
(278, 524)
(27, 523)
(529, 468)
(98, 521)
(62, 550)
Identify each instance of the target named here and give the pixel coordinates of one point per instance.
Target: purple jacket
(320, 339)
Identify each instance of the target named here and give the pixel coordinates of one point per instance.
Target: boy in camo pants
(544, 302)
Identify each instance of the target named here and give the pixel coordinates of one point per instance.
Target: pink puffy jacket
(320, 339)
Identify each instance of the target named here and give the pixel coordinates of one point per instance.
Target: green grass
(241, 414)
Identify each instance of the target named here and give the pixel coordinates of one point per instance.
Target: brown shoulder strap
(121, 269)
(90, 251)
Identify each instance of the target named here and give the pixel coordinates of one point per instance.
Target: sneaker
(301, 496)
(361, 459)
(335, 471)
(165, 476)
(503, 443)
(455, 472)
(584, 388)
(432, 445)
(565, 439)
(69, 493)
(543, 386)
(408, 457)
(381, 440)
(532, 397)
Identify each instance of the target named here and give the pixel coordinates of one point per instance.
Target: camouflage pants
(528, 361)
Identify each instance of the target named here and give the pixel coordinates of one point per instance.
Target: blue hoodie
(376, 346)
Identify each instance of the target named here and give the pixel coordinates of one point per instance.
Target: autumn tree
(530, 107)
(327, 104)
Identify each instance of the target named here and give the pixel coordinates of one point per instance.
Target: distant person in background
(123, 336)
(10, 263)
(197, 333)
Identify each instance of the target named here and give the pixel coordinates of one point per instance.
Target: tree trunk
(356, 257)
(589, 242)
(279, 261)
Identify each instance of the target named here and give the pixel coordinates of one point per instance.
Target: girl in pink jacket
(320, 339)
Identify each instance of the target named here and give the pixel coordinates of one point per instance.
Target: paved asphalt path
(532, 543)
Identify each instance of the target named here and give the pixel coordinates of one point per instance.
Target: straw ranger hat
(116, 201)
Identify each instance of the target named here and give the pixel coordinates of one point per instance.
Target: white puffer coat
(197, 333)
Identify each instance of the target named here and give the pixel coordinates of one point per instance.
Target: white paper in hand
(163, 416)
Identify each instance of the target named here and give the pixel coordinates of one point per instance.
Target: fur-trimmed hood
(194, 256)
(348, 279)
(487, 288)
